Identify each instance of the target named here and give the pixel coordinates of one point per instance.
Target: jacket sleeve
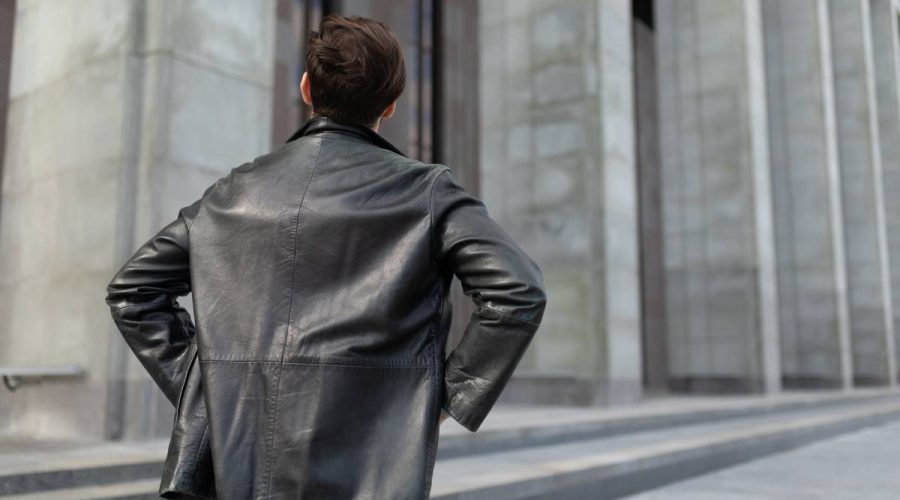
(507, 288)
(142, 298)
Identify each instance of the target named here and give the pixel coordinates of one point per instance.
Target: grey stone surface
(610, 467)
(858, 466)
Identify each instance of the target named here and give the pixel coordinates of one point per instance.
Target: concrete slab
(860, 465)
(611, 467)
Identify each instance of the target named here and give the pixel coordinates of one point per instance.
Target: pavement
(862, 465)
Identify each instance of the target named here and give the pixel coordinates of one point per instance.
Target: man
(320, 275)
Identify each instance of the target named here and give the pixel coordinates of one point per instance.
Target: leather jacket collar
(319, 124)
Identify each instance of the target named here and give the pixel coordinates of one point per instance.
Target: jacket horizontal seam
(507, 315)
(356, 366)
(317, 363)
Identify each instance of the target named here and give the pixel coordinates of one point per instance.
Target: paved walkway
(864, 465)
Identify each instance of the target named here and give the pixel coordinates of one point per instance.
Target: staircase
(523, 452)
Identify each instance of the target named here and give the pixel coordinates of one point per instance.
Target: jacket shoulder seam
(441, 171)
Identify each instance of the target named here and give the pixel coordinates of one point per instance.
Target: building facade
(712, 187)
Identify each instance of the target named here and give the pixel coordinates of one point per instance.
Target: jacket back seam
(274, 420)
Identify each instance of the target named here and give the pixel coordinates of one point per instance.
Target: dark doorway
(652, 263)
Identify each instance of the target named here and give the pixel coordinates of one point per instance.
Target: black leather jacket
(314, 366)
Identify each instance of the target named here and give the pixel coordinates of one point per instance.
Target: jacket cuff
(464, 411)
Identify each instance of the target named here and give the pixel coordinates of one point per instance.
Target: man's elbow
(117, 292)
(531, 296)
(538, 302)
(536, 291)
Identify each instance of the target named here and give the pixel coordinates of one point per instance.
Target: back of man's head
(355, 69)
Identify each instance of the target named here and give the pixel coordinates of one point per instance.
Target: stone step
(507, 429)
(145, 489)
(44, 467)
(615, 466)
(510, 427)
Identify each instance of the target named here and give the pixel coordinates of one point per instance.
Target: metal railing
(13, 376)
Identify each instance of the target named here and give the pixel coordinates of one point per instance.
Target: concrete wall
(558, 170)
(779, 138)
(121, 112)
(719, 239)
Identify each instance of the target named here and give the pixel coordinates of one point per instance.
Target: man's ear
(389, 110)
(304, 89)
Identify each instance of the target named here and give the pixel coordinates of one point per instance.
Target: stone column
(120, 114)
(721, 291)
(558, 171)
(871, 316)
(815, 342)
(885, 16)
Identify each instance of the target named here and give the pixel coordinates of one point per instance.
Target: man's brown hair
(355, 67)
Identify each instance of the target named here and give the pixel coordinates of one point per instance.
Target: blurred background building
(710, 186)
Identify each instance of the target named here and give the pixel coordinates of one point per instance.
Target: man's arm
(142, 298)
(507, 288)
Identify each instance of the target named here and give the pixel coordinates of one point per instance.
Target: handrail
(13, 375)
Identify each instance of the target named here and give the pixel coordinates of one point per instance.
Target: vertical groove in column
(836, 202)
(885, 45)
(767, 292)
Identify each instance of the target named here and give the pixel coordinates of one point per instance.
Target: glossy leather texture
(314, 366)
